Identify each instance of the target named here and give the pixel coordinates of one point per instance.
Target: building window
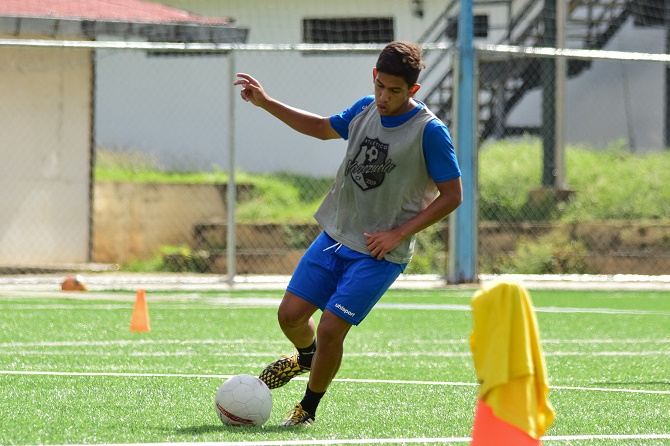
(348, 30)
(480, 26)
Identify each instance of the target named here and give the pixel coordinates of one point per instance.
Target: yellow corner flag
(509, 363)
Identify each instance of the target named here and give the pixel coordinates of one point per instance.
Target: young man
(399, 157)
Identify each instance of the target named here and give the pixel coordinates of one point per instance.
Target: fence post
(231, 195)
(561, 75)
(463, 226)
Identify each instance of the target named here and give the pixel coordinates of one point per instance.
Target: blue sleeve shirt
(438, 149)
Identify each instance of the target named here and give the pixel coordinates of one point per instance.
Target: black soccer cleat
(282, 371)
(298, 417)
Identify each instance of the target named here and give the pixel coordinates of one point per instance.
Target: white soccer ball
(243, 400)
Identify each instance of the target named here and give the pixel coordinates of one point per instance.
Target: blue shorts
(341, 280)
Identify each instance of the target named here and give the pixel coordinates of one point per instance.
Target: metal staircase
(503, 82)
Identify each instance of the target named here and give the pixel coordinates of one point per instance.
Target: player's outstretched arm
(299, 120)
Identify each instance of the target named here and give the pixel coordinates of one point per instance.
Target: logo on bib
(370, 165)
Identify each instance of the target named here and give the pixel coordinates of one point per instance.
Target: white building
(191, 127)
(177, 111)
(47, 119)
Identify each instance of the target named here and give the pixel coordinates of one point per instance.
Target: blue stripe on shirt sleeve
(438, 149)
(341, 121)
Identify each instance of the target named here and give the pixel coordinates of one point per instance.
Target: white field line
(344, 380)
(127, 342)
(219, 342)
(272, 302)
(169, 282)
(168, 354)
(261, 302)
(13, 348)
(552, 309)
(422, 440)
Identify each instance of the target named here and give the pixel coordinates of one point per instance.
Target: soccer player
(399, 176)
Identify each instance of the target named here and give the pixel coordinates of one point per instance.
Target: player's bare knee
(332, 328)
(287, 318)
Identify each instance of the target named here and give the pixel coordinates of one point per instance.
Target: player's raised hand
(252, 91)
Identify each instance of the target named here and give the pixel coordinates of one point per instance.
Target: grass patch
(609, 185)
(79, 376)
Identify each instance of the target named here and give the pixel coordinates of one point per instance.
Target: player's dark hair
(401, 59)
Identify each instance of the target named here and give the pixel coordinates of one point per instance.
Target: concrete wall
(45, 123)
(133, 220)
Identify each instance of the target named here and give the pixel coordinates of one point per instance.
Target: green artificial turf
(72, 372)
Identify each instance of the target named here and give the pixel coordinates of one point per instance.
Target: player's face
(392, 94)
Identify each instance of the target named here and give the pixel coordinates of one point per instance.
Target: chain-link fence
(122, 157)
(580, 194)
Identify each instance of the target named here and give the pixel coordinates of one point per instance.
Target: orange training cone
(489, 430)
(140, 318)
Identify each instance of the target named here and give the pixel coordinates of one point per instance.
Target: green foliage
(508, 171)
(618, 185)
(141, 168)
(553, 253)
(310, 189)
(283, 198)
(174, 259)
(296, 237)
(179, 259)
(429, 253)
(609, 185)
(153, 265)
(276, 200)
